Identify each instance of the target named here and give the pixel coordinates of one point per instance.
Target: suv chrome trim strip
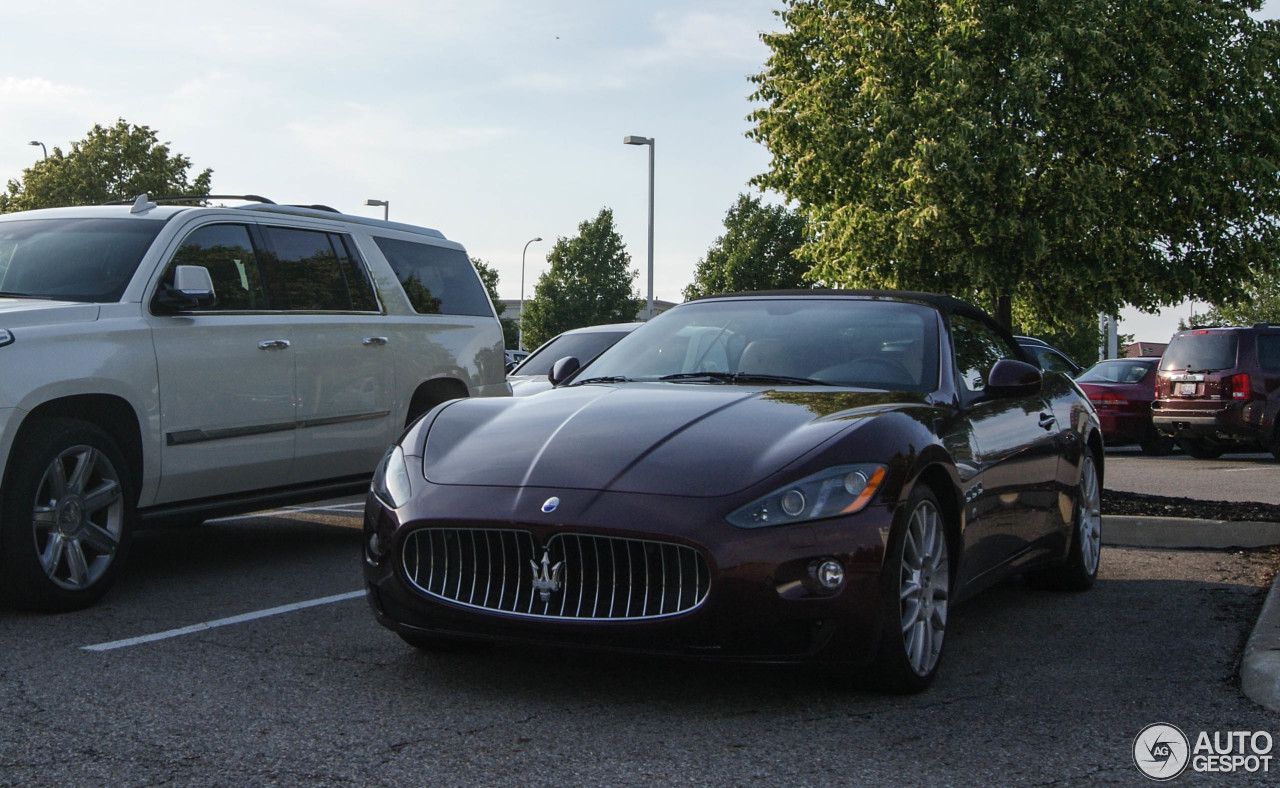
(186, 437)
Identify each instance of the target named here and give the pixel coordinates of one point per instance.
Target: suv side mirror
(1012, 378)
(563, 369)
(192, 289)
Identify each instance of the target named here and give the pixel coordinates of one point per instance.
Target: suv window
(226, 251)
(437, 280)
(1201, 351)
(311, 271)
(978, 348)
(73, 259)
(1269, 351)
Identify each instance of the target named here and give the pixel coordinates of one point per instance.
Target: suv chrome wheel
(67, 514)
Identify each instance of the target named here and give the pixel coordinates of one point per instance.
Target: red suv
(1219, 390)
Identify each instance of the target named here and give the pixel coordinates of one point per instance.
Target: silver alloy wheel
(1089, 517)
(924, 588)
(77, 517)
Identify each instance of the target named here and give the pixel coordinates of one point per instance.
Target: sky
(493, 121)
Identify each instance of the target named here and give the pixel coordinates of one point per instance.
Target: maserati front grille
(573, 576)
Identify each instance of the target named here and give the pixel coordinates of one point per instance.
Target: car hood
(673, 439)
(23, 312)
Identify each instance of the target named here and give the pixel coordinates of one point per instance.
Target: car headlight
(391, 479)
(839, 490)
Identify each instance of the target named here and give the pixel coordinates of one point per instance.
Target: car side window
(227, 253)
(1054, 362)
(977, 349)
(306, 272)
(1269, 351)
(436, 279)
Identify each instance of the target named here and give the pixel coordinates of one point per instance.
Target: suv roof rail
(193, 198)
(1266, 325)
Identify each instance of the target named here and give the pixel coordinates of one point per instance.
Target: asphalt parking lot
(241, 653)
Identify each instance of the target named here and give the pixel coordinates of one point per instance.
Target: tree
(589, 282)
(489, 276)
(1260, 303)
(1066, 157)
(116, 163)
(756, 251)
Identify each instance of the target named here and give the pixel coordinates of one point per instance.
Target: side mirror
(563, 369)
(1010, 378)
(192, 289)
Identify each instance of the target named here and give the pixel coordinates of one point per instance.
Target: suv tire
(66, 518)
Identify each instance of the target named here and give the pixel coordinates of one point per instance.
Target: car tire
(916, 590)
(441, 644)
(66, 518)
(1201, 450)
(1080, 570)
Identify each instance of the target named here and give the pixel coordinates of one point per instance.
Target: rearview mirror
(563, 369)
(192, 289)
(1011, 378)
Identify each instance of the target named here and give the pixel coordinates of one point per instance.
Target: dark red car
(1121, 390)
(784, 477)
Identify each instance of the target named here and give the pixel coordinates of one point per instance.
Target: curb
(1260, 664)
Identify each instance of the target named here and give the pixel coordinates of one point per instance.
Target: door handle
(375, 340)
(1047, 420)
(273, 344)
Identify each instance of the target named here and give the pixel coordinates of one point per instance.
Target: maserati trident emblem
(550, 505)
(546, 578)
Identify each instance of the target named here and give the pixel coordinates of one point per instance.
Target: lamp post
(634, 140)
(43, 149)
(385, 204)
(520, 327)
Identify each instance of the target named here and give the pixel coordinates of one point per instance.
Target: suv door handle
(273, 344)
(1047, 420)
(375, 340)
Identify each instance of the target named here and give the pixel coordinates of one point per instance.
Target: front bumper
(763, 602)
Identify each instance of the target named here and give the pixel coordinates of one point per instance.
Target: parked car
(814, 476)
(1219, 390)
(1048, 357)
(514, 357)
(168, 362)
(1121, 390)
(584, 344)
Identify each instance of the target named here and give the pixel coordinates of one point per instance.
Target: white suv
(175, 363)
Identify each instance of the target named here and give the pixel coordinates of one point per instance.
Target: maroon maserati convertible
(810, 476)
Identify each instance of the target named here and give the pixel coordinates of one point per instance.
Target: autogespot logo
(1160, 751)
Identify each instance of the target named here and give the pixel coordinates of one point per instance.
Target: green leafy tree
(489, 276)
(1260, 303)
(589, 282)
(115, 163)
(756, 251)
(1063, 158)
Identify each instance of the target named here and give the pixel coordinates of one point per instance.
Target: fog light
(829, 574)
(793, 503)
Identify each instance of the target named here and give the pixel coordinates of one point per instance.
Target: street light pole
(634, 140)
(43, 149)
(386, 206)
(520, 325)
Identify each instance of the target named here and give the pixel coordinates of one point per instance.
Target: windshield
(584, 346)
(1201, 351)
(831, 341)
(1116, 372)
(72, 259)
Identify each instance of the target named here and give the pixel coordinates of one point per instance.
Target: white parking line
(222, 622)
